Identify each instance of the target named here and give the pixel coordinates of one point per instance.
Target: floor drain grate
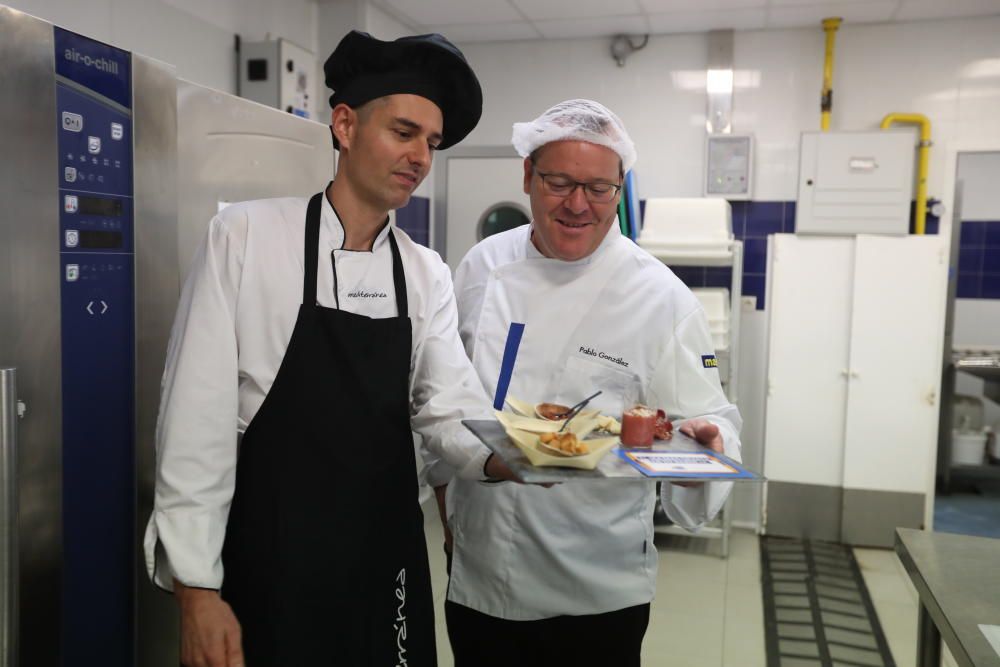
(817, 611)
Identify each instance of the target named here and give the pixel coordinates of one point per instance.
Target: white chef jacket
(619, 321)
(236, 315)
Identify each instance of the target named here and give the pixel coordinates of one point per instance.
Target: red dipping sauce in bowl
(638, 427)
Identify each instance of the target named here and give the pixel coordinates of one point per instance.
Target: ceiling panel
(498, 20)
(448, 12)
(607, 27)
(820, 3)
(483, 32)
(575, 9)
(737, 19)
(812, 15)
(910, 10)
(664, 6)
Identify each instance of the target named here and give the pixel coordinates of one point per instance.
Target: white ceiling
(501, 20)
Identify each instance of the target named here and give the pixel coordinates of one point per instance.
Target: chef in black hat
(317, 336)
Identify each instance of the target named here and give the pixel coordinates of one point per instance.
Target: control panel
(96, 244)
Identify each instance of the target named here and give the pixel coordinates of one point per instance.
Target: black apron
(325, 559)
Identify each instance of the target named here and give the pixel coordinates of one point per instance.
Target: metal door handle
(10, 411)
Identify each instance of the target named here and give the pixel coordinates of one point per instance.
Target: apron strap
(312, 249)
(398, 279)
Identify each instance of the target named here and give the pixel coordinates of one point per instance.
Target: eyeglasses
(597, 192)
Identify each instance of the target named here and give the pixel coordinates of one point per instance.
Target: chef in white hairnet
(565, 575)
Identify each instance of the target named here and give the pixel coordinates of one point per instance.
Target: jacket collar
(610, 239)
(335, 227)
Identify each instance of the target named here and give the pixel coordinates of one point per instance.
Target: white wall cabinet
(856, 331)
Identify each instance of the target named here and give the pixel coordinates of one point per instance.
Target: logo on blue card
(709, 361)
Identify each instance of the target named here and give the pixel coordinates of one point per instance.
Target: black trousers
(613, 639)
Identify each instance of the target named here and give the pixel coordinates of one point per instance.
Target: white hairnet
(576, 120)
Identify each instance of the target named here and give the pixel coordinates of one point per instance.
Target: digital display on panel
(100, 206)
(103, 240)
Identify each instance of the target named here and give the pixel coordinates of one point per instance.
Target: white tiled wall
(948, 70)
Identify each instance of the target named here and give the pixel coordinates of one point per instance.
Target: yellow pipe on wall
(826, 100)
(923, 155)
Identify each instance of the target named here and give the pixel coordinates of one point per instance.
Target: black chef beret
(363, 68)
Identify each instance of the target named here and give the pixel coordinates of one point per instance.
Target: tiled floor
(970, 510)
(708, 611)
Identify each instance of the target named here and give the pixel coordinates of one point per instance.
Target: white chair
(683, 231)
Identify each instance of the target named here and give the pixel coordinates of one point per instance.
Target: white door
(475, 186)
(809, 300)
(897, 334)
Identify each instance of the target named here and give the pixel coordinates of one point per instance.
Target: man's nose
(577, 200)
(421, 155)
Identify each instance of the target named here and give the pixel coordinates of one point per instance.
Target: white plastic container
(715, 301)
(993, 445)
(968, 447)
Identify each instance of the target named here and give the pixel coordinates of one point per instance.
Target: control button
(98, 308)
(70, 204)
(94, 145)
(72, 122)
(72, 273)
(72, 238)
(117, 131)
(70, 174)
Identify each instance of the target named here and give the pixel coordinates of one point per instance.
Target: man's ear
(343, 124)
(528, 170)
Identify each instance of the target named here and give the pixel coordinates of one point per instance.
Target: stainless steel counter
(958, 580)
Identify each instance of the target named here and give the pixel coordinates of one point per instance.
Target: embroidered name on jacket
(400, 624)
(363, 294)
(709, 361)
(603, 355)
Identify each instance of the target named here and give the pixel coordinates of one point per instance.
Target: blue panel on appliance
(104, 69)
(98, 458)
(94, 129)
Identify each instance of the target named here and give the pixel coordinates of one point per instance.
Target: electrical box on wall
(280, 74)
(855, 182)
(729, 166)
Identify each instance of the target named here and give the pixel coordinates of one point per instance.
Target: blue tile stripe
(979, 260)
(754, 221)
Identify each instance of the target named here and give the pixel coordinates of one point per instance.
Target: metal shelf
(979, 472)
(732, 256)
(985, 366)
